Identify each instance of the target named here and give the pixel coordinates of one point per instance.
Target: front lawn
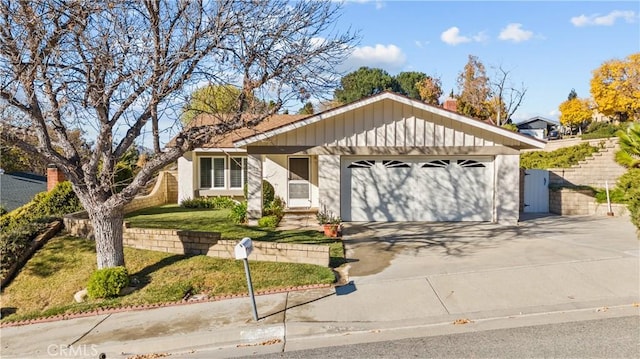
(46, 285)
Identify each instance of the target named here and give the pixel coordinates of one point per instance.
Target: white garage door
(417, 189)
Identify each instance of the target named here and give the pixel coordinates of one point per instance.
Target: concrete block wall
(568, 201)
(205, 243)
(594, 171)
(165, 191)
(170, 241)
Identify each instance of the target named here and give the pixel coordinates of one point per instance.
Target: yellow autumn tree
(576, 112)
(615, 88)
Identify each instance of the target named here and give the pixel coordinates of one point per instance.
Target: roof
(537, 118)
(227, 140)
(18, 188)
(276, 130)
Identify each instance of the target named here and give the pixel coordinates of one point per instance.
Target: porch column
(254, 188)
(507, 189)
(329, 182)
(187, 177)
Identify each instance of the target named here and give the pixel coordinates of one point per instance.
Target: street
(602, 338)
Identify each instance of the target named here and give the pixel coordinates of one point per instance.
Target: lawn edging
(204, 243)
(156, 305)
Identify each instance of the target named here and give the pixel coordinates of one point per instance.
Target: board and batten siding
(389, 124)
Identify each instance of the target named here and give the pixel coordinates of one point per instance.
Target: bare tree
(505, 96)
(111, 68)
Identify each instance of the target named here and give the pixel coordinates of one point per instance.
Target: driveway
(415, 249)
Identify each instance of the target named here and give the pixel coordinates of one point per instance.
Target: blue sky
(551, 47)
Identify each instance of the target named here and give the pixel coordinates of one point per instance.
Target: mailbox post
(242, 251)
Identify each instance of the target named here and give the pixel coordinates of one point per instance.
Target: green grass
(47, 283)
(216, 220)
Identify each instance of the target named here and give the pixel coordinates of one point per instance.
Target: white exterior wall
(329, 182)
(389, 124)
(276, 171)
(254, 188)
(507, 193)
(186, 177)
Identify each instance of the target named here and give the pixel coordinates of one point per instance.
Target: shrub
(239, 213)
(15, 241)
(268, 193)
(209, 202)
(107, 282)
(275, 207)
(222, 202)
(22, 225)
(630, 184)
(55, 203)
(601, 130)
(269, 221)
(560, 158)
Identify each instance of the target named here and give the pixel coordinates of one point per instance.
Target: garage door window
(362, 164)
(470, 163)
(395, 164)
(436, 164)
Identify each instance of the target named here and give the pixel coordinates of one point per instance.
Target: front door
(299, 187)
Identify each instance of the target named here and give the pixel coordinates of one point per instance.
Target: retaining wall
(165, 191)
(204, 243)
(569, 201)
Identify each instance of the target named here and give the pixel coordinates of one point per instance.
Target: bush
(268, 193)
(275, 208)
(269, 221)
(20, 226)
(15, 241)
(239, 213)
(629, 183)
(55, 203)
(560, 158)
(601, 130)
(107, 282)
(209, 202)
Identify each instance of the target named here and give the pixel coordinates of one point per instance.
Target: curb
(135, 308)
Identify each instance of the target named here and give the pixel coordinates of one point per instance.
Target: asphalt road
(603, 338)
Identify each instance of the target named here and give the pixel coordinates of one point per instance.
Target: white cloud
(378, 3)
(481, 37)
(514, 32)
(389, 57)
(452, 36)
(604, 20)
(421, 44)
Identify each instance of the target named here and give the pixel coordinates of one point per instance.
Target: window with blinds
(205, 172)
(237, 172)
(218, 172)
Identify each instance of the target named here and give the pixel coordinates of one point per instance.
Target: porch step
(295, 218)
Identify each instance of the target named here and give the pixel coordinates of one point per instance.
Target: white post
(606, 187)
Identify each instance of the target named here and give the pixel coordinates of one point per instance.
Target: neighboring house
(537, 127)
(19, 188)
(383, 158)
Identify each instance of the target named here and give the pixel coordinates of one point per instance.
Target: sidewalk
(571, 275)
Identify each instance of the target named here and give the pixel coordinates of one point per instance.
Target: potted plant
(331, 224)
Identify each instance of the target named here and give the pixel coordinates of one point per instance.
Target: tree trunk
(107, 229)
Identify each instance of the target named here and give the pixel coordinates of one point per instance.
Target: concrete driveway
(404, 250)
